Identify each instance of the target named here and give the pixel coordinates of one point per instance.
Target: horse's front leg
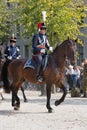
(57, 102)
(13, 99)
(48, 92)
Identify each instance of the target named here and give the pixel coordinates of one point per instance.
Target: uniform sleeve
(18, 53)
(35, 43)
(47, 43)
(6, 52)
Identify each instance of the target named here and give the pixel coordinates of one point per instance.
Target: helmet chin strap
(39, 29)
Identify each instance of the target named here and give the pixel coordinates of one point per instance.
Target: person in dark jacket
(12, 51)
(84, 78)
(40, 46)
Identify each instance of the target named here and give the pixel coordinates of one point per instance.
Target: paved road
(70, 115)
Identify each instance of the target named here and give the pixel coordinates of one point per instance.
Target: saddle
(32, 63)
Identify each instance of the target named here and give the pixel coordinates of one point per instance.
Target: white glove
(51, 49)
(42, 51)
(9, 57)
(17, 58)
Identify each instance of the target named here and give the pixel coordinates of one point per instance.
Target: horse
(1, 91)
(2, 61)
(53, 73)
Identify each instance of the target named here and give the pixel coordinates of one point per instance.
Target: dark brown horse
(53, 74)
(2, 61)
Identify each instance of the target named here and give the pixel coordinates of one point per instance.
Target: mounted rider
(40, 46)
(12, 51)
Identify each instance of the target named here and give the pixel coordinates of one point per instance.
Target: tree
(6, 19)
(64, 17)
(4, 29)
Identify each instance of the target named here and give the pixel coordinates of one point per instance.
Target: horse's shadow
(12, 112)
(29, 100)
(75, 101)
(6, 112)
(68, 101)
(42, 101)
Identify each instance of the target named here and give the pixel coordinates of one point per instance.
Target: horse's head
(71, 48)
(65, 50)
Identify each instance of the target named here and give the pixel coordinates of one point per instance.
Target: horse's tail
(4, 77)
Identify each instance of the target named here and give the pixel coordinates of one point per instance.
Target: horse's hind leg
(48, 90)
(24, 96)
(17, 104)
(57, 102)
(15, 100)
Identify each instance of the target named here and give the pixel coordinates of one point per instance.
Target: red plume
(39, 25)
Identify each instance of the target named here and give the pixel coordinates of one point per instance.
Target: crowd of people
(73, 76)
(77, 77)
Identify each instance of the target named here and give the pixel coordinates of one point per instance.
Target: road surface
(70, 115)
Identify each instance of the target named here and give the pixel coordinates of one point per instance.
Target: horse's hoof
(3, 98)
(13, 104)
(57, 103)
(25, 100)
(16, 108)
(50, 110)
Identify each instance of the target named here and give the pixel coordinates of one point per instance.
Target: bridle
(71, 49)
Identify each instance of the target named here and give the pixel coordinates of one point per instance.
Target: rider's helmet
(13, 38)
(41, 26)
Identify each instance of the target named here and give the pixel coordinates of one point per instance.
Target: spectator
(84, 79)
(71, 77)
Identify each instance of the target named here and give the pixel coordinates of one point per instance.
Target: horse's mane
(59, 45)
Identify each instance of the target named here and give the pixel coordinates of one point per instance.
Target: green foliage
(64, 17)
(3, 21)
(7, 17)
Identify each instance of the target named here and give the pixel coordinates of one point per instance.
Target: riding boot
(39, 77)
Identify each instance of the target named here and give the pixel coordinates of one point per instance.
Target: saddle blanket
(30, 63)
